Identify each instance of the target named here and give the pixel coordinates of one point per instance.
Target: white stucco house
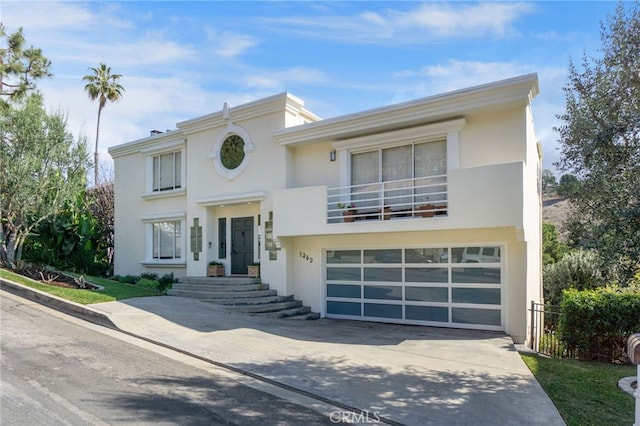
(426, 212)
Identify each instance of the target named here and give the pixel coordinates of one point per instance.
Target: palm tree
(104, 86)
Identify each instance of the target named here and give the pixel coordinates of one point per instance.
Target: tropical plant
(103, 86)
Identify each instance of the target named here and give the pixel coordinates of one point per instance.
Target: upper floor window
(167, 171)
(410, 161)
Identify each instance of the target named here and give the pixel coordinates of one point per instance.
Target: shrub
(129, 279)
(165, 282)
(148, 283)
(578, 270)
(595, 324)
(115, 278)
(149, 275)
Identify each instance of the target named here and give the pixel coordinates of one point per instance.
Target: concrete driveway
(394, 373)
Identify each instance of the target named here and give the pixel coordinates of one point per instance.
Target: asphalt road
(57, 370)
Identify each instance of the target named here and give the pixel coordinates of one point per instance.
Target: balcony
(398, 199)
(470, 198)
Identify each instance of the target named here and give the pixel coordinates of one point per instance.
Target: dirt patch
(54, 278)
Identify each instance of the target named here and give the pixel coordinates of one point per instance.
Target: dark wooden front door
(241, 244)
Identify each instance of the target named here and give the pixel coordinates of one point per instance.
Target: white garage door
(447, 286)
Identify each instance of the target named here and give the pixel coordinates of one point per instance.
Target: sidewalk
(408, 374)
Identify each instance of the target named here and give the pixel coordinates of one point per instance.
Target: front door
(241, 244)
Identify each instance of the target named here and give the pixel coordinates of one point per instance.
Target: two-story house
(426, 212)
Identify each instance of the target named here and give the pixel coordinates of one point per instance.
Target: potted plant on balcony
(254, 270)
(427, 210)
(215, 269)
(348, 211)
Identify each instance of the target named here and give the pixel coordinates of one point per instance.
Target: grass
(112, 290)
(585, 393)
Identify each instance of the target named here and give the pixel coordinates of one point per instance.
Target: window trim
(215, 157)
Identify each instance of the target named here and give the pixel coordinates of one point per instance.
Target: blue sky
(180, 60)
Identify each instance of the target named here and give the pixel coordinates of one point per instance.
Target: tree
(569, 186)
(600, 141)
(42, 168)
(19, 67)
(103, 86)
(548, 181)
(552, 249)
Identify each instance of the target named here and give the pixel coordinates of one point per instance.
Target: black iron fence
(544, 331)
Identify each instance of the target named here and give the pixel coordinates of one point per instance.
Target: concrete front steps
(242, 294)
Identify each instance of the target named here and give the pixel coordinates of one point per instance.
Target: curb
(57, 303)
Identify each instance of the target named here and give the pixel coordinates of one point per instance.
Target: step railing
(407, 198)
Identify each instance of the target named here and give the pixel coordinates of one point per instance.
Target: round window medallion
(232, 152)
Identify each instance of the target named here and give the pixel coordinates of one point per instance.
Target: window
(166, 240)
(167, 171)
(232, 152)
(410, 174)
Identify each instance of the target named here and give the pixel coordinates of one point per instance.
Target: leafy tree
(569, 186)
(600, 140)
(103, 86)
(19, 66)
(548, 181)
(42, 167)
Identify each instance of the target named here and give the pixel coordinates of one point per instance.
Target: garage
(454, 286)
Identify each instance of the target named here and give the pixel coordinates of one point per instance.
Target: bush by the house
(149, 275)
(595, 324)
(129, 279)
(576, 270)
(165, 282)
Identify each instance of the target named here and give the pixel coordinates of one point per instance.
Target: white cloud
(425, 23)
(463, 21)
(229, 44)
(280, 80)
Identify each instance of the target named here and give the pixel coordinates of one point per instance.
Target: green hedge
(595, 324)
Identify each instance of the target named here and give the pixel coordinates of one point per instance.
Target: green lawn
(585, 393)
(112, 290)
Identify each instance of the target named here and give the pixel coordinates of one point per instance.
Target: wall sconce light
(332, 155)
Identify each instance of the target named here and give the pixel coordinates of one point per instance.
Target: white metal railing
(406, 198)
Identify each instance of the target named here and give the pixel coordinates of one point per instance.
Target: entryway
(241, 244)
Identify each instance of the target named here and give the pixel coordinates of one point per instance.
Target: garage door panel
(344, 290)
(383, 292)
(481, 296)
(426, 275)
(427, 294)
(344, 274)
(476, 316)
(427, 313)
(379, 310)
(383, 274)
(344, 308)
(476, 275)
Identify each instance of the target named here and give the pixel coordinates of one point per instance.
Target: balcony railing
(407, 198)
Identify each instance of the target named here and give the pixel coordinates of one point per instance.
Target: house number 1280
(306, 257)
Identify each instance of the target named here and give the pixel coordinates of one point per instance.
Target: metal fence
(544, 331)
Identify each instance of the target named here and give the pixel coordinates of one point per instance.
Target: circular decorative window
(232, 152)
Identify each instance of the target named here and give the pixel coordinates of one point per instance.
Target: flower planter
(215, 270)
(426, 210)
(253, 271)
(349, 215)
